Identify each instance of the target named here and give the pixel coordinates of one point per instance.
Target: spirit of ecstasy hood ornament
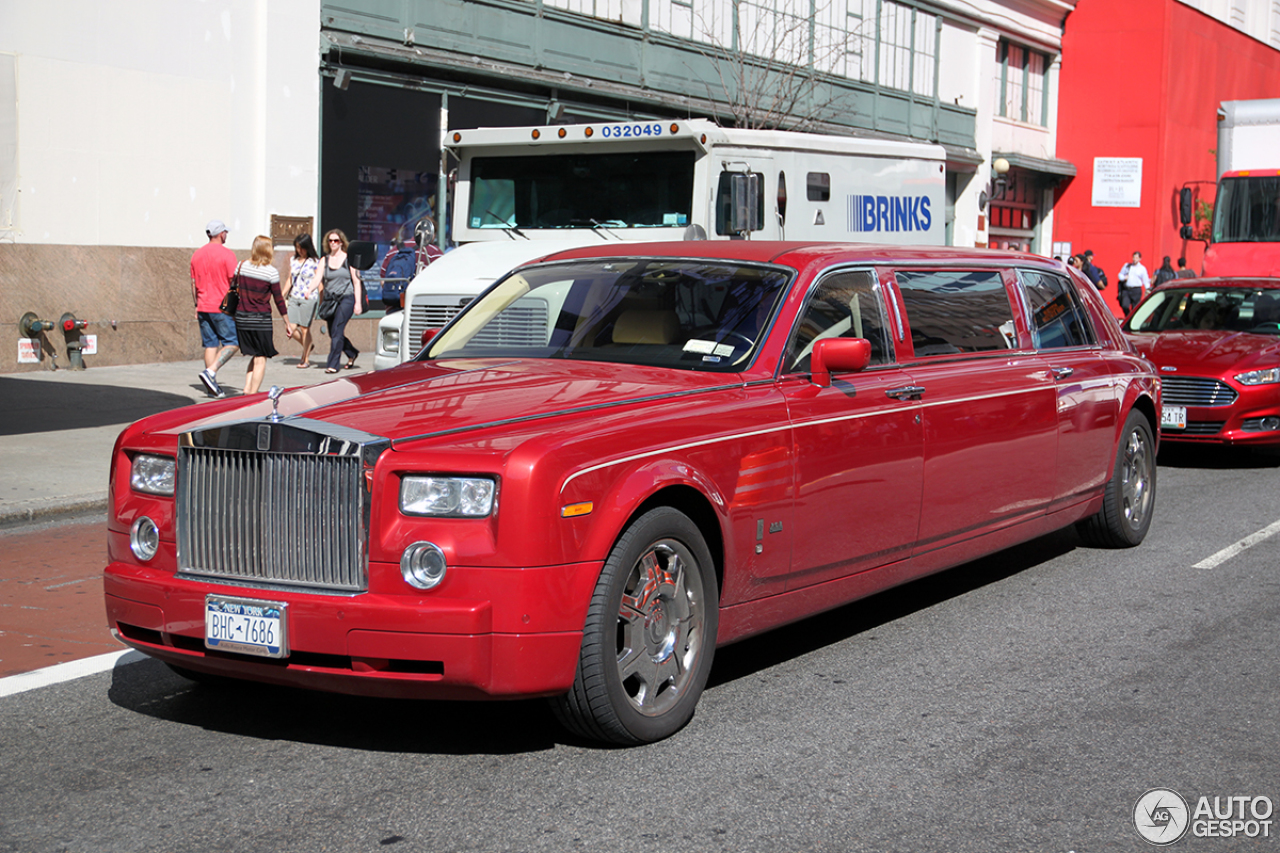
(274, 394)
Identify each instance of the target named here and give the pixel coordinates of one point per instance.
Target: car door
(1088, 401)
(858, 441)
(990, 420)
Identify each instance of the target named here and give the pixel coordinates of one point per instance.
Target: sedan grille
(1195, 391)
(293, 514)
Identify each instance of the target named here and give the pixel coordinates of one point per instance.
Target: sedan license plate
(246, 626)
(1173, 417)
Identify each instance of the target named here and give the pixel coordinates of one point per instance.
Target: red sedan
(617, 459)
(1216, 344)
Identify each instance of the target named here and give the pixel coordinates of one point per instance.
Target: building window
(891, 44)
(1022, 84)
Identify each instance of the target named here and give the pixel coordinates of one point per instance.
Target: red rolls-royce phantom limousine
(617, 459)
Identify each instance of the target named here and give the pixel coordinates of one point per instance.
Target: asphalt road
(1023, 703)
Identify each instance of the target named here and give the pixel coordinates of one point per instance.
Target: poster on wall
(390, 203)
(1117, 181)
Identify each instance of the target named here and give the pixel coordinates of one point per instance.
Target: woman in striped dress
(259, 286)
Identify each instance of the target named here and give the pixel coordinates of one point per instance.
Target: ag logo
(1161, 816)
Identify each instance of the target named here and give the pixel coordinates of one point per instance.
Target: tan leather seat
(646, 326)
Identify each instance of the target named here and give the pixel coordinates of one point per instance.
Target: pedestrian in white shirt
(1134, 283)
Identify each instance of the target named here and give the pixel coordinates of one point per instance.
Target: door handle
(906, 392)
(1062, 372)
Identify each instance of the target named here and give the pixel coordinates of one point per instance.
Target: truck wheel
(1131, 493)
(649, 637)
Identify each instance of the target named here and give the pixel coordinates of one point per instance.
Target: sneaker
(210, 381)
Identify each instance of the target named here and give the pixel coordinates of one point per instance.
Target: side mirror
(1184, 205)
(362, 254)
(744, 202)
(838, 355)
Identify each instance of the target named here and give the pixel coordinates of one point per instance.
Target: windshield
(639, 190)
(1229, 310)
(686, 314)
(1247, 210)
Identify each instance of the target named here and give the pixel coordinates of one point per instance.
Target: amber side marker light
(561, 133)
(457, 137)
(575, 510)
(675, 128)
(588, 133)
(537, 134)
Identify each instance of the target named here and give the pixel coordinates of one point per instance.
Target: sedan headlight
(1259, 377)
(458, 497)
(154, 475)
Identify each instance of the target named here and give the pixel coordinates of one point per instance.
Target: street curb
(53, 508)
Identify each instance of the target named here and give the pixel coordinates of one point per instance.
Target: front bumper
(427, 646)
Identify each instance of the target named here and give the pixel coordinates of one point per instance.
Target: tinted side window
(818, 186)
(1057, 317)
(843, 305)
(957, 312)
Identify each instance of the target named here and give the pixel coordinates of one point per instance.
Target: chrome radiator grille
(272, 518)
(1195, 391)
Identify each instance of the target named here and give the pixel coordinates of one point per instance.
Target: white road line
(1244, 544)
(69, 671)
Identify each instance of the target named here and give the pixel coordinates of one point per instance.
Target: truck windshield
(636, 190)
(1247, 210)
(684, 314)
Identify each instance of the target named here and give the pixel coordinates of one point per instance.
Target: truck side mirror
(362, 254)
(1184, 205)
(744, 202)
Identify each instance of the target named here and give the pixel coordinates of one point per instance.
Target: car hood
(1207, 353)
(425, 399)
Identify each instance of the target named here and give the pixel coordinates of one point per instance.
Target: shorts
(216, 329)
(303, 313)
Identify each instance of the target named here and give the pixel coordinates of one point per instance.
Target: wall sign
(1117, 181)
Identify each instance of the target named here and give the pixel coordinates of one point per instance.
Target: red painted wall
(1143, 78)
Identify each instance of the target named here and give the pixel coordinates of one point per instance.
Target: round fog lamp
(144, 539)
(422, 565)
(1271, 424)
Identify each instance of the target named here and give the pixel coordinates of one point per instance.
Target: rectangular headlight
(465, 497)
(1259, 377)
(391, 340)
(154, 475)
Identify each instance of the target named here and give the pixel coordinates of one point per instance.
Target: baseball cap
(214, 228)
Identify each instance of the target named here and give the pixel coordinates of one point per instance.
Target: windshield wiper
(510, 229)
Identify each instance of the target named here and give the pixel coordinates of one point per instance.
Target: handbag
(231, 301)
(328, 306)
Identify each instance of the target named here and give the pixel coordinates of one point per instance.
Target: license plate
(1173, 417)
(246, 626)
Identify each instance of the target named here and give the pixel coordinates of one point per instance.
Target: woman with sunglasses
(336, 278)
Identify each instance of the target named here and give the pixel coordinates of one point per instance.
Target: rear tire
(1130, 495)
(649, 637)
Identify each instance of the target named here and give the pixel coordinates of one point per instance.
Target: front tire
(1130, 497)
(649, 637)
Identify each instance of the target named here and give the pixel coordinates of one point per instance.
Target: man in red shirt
(212, 267)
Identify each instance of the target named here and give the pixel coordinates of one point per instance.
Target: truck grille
(522, 324)
(1195, 391)
(273, 518)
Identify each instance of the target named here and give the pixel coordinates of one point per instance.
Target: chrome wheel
(1137, 473)
(649, 637)
(1128, 501)
(660, 628)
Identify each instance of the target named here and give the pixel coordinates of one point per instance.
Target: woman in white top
(301, 293)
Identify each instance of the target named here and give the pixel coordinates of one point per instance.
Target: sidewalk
(57, 428)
